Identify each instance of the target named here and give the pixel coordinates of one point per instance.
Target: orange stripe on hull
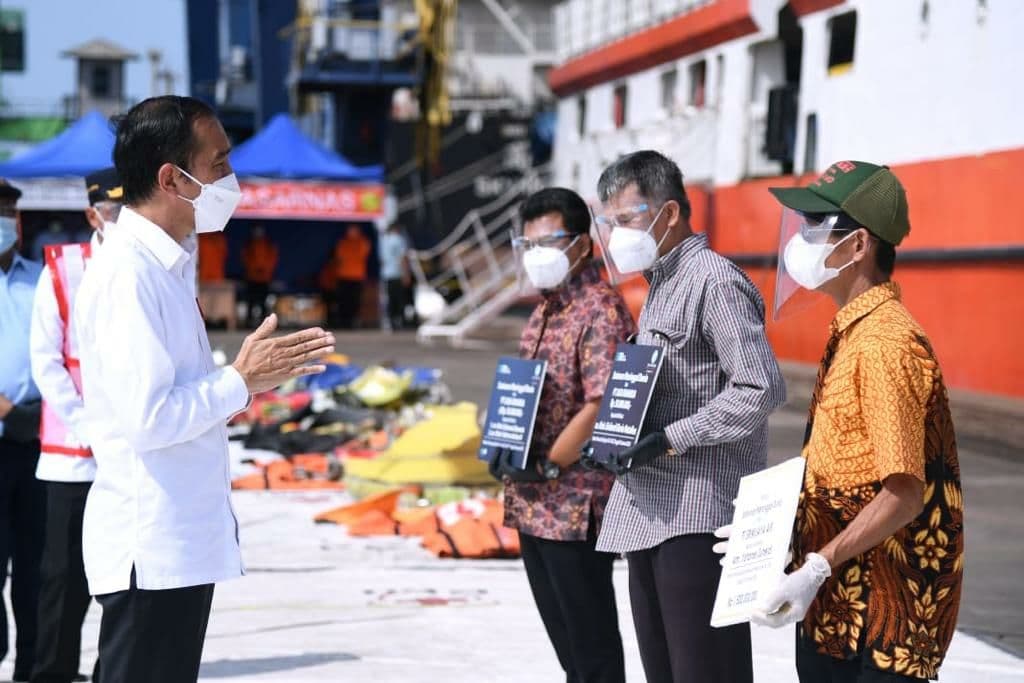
(692, 32)
(972, 311)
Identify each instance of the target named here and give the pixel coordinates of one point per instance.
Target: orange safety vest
(259, 258)
(213, 253)
(66, 263)
(350, 258)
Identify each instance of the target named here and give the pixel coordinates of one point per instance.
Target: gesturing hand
(265, 363)
(5, 406)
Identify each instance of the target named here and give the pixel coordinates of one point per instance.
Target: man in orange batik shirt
(878, 542)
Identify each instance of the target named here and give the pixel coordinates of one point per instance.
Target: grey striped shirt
(718, 384)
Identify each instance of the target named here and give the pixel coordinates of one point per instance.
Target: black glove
(638, 455)
(22, 423)
(494, 466)
(501, 467)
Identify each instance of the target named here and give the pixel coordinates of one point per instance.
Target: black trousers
(813, 667)
(64, 594)
(22, 524)
(153, 636)
(256, 294)
(572, 586)
(350, 301)
(672, 591)
(397, 298)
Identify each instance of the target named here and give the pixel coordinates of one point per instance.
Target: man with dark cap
(66, 464)
(878, 543)
(22, 496)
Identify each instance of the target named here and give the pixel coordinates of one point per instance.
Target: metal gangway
(478, 255)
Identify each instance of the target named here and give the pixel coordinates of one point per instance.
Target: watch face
(551, 470)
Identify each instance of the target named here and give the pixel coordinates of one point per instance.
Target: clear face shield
(544, 263)
(108, 211)
(629, 243)
(806, 241)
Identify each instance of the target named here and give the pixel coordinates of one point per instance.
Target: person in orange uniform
(259, 258)
(213, 255)
(350, 256)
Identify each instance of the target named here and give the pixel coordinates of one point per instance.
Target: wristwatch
(551, 470)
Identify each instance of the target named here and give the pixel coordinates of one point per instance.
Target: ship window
(698, 78)
(619, 106)
(669, 81)
(719, 78)
(811, 144)
(581, 115)
(840, 50)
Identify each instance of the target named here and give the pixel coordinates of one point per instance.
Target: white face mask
(215, 203)
(8, 233)
(805, 261)
(635, 250)
(104, 232)
(547, 267)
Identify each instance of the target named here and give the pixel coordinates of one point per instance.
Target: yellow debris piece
(440, 450)
(379, 386)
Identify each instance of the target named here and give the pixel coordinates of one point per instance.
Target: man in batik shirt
(879, 532)
(556, 504)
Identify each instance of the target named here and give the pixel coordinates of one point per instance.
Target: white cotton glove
(788, 603)
(722, 547)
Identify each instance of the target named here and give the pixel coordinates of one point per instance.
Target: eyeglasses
(816, 228)
(630, 217)
(555, 239)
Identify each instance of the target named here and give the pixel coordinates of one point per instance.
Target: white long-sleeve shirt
(46, 345)
(156, 409)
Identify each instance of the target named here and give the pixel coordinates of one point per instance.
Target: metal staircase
(478, 255)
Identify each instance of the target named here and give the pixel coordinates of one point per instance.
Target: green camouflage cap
(872, 195)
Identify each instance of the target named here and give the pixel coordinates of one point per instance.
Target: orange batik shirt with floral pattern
(880, 407)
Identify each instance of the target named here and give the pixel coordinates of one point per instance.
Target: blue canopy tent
(282, 151)
(85, 147)
(291, 181)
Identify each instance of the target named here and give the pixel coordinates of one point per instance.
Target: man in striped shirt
(705, 429)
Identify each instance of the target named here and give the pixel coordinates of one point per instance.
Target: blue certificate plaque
(626, 398)
(512, 410)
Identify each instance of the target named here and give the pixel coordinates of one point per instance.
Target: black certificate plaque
(626, 399)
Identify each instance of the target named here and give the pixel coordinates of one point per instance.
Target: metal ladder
(478, 255)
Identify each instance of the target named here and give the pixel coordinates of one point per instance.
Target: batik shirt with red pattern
(575, 329)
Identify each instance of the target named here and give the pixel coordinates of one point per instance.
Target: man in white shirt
(66, 464)
(394, 273)
(159, 528)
